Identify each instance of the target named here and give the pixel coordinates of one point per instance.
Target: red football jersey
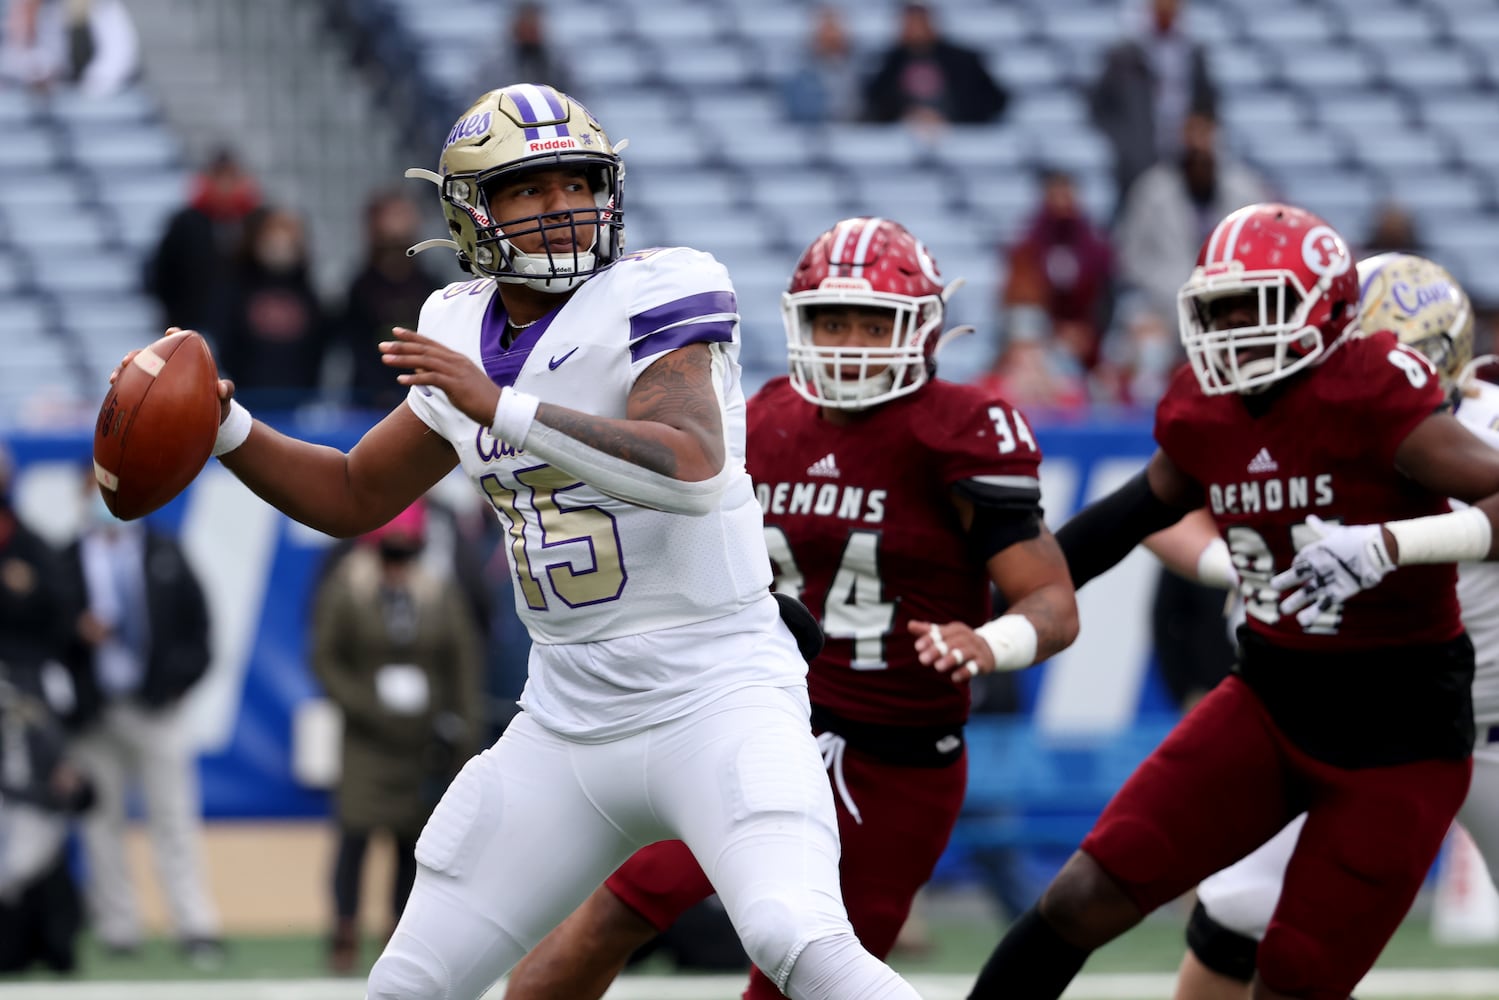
(860, 524)
(1323, 444)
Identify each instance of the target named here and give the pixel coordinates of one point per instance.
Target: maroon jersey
(860, 524)
(1322, 444)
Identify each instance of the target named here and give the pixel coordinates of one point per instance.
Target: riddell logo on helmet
(545, 145)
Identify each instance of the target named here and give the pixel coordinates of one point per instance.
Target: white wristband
(1461, 536)
(513, 416)
(1215, 566)
(233, 429)
(1012, 640)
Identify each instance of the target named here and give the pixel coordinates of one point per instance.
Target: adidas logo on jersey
(827, 466)
(1262, 462)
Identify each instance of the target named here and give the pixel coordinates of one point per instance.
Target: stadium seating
(1342, 103)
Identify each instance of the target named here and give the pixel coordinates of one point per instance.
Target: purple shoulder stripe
(680, 310)
(709, 331)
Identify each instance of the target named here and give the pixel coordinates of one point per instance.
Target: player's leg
(1233, 909)
(742, 783)
(905, 816)
(583, 955)
(513, 847)
(1370, 837)
(1209, 794)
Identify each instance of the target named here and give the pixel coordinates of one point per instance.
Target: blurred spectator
(92, 43)
(1393, 231)
(141, 644)
(1173, 207)
(273, 334)
(388, 291)
(1140, 352)
(188, 270)
(1148, 86)
(524, 55)
(1033, 372)
(395, 647)
(924, 79)
(40, 914)
(1065, 265)
(826, 86)
(36, 610)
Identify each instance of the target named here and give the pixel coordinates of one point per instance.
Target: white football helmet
(507, 132)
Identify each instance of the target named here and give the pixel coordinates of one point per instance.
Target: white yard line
(1405, 983)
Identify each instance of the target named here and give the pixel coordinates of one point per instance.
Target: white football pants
(1242, 897)
(534, 824)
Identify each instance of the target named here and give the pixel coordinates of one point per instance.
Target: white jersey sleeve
(1478, 583)
(595, 575)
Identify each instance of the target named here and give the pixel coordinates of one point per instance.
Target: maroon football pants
(905, 816)
(1226, 780)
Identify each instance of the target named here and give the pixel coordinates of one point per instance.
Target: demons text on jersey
(851, 503)
(1254, 496)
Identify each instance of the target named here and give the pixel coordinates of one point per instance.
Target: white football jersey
(1478, 583)
(590, 569)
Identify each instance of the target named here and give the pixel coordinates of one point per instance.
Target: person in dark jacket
(188, 269)
(40, 913)
(925, 79)
(141, 644)
(388, 291)
(1151, 81)
(273, 334)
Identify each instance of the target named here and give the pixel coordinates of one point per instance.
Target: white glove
(1344, 560)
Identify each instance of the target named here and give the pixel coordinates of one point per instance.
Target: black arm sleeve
(1106, 531)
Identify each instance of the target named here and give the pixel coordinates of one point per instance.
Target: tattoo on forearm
(673, 392)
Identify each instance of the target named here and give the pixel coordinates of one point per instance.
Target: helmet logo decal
(1413, 298)
(467, 128)
(1324, 252)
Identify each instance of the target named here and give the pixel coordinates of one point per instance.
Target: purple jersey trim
(680, 310)
(503, 366)
(719, 331)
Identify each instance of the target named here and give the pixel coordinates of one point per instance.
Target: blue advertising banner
(258, 569)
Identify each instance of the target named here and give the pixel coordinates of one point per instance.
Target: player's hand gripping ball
(157, 426)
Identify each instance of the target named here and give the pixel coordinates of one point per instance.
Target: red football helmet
(873, 263)
(1292, 271)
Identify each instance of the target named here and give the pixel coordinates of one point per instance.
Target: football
(157, 426)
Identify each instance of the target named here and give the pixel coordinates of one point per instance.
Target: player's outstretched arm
(339, 494)
(1041, 619)
(1193, 549)
(1441, 455)
(1107, 530)
(667, 452)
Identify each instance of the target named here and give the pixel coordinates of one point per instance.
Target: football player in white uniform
(593, 397)
(1429, 311)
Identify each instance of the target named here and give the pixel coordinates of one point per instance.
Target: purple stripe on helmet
(680, 310)
(528, 114)
(713, 331)
(562, 130)
(503, 366)
(1363, 287)
(533, 133)
(553, 102)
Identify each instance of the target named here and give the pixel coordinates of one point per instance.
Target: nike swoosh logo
(556, 363)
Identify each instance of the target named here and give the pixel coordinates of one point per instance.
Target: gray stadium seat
(46, 227)
(1406, 149)
(134, 104)
(999, 147)
(873, 146)
(29, 148)
(68, 274)
(1386, 23)
(1318, 67)
(1431, 71)
(1291, 25)
(698, 64)
(125, 147)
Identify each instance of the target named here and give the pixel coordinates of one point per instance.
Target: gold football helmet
(505, 133)
(1423, 305)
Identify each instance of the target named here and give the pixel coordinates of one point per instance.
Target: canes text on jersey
(1271, 494)
(851, 503)
(491, 448)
